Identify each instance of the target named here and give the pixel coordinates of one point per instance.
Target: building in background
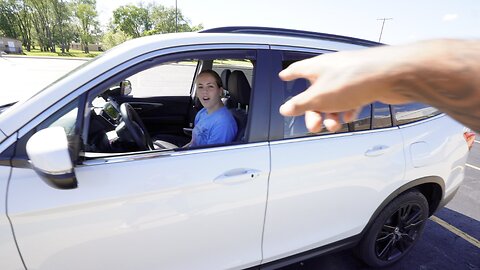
(91, 47)
(10, 45)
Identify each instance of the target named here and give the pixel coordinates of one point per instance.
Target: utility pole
(383, 24)
(176, 17)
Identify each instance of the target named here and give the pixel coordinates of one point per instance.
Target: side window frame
(253, 134)
(279, 55)
(277, 99)
(20, 157)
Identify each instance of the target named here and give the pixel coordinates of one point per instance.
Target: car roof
(18, 115)
(290, 33)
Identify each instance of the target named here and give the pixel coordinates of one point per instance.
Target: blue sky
(412, 19)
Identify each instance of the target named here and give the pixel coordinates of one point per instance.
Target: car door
(323, 187)
(9, 256)
(197, 208)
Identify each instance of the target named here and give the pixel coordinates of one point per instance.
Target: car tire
(395, 230)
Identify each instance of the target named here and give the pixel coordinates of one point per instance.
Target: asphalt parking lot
(451, 238)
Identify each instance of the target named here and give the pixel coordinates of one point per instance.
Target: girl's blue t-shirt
(216, 128)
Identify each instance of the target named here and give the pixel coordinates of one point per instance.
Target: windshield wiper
(6, 106)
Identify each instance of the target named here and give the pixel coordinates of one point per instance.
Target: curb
(47, 57)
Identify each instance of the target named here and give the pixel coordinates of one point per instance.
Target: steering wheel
(135, 126)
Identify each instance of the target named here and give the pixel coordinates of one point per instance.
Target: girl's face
(209, 93)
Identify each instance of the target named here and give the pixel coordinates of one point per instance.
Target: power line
(383, 24)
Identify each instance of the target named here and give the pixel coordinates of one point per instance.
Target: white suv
(82, 185)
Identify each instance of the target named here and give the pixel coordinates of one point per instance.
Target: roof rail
(290, 33)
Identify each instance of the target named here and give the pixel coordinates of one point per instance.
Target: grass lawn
(71, 53)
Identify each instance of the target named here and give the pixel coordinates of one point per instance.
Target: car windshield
(20, 91)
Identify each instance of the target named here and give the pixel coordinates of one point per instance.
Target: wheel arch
(432, 187)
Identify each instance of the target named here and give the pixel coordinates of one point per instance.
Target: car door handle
(237, 176)
(376, 151)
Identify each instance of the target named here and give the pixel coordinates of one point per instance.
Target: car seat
(238, 102)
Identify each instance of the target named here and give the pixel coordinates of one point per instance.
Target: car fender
(409, 185)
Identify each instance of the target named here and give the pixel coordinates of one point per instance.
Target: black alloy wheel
(395, 231)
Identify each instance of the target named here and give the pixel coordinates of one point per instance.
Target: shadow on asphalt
(438, 249)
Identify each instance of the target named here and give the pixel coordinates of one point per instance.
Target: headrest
(239, 88)
(225, 75)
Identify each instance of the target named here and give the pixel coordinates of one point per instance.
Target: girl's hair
(214, 74)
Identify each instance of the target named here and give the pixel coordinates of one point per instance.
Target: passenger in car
(214, 124)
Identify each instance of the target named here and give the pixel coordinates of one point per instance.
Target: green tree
(63, 30)
(169, 20)
(132, 20)
(151, 19)
(43, 20)
(86, 13)
(113, 38)
(16, 21)
(8, 18)
(25, 24)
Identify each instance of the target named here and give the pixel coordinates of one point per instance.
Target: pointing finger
(311, 99)
(332, 122)
(351, 115)
(300, 69)
(313, 121)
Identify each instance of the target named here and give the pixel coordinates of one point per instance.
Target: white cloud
(449, 17)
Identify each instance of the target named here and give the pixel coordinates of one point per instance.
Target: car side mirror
(125, 88)
(50, 157)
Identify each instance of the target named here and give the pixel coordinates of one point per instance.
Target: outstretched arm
(442, 73)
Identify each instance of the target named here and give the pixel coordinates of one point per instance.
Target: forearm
(446, 75)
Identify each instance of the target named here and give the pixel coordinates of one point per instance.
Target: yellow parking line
(456, 231)
(473, 167)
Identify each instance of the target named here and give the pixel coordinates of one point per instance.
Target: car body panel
(9, 256)
(178, 217)
(313, 184)
(447, 154)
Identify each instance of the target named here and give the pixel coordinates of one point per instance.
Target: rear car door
(197, 208)
(324, 187)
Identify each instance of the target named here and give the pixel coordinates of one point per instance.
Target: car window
(226, 66)
(381, 115)
(66, 117)
(169, 79)
(364, 120)
(163, 116)
(295, 126)
(408, 113)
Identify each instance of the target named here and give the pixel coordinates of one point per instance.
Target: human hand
(442, 73)
(341, 83)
